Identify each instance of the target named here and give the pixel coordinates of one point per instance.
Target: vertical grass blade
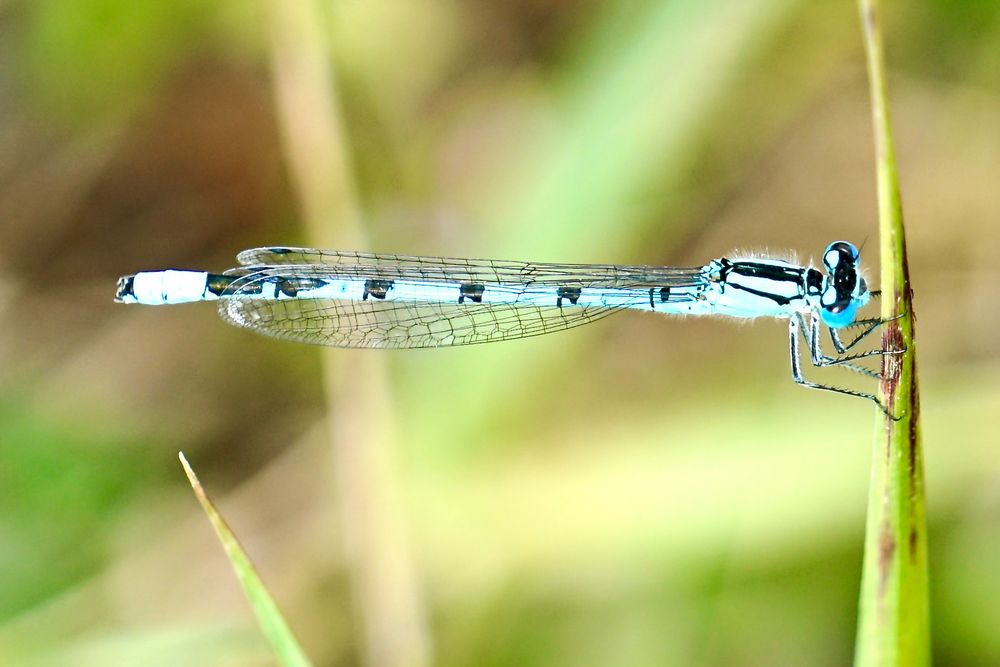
(286, 647)
(383, 581)
(894, 619)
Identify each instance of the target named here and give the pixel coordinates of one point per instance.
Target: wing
(349, 299)
(403, 266)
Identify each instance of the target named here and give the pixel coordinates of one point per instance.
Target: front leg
(869, 325)
(817, 356)
(794, 324)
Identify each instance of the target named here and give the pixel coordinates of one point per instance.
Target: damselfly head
(844, 290)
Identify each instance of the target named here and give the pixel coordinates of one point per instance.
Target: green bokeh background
(642, 491)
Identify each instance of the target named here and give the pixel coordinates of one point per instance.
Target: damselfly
(354, 299)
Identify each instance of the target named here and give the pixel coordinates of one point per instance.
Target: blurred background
(641, 491)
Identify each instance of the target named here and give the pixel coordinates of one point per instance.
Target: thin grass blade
(272, 623)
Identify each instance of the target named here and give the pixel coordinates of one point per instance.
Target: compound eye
(837, 309)
(831, 301)
(839, 253)
(843, 316)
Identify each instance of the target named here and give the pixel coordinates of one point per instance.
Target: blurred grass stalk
(894, 620)
(272, 623)
(644, 86)
(379, 569)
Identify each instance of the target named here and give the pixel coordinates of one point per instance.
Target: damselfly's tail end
(125, 292)
(157, 288)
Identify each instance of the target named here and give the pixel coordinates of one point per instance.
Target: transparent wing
(399, 325)
(376, 265)
(386, 323)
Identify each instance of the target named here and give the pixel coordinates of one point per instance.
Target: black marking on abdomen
(664, 296)
(217, 284)
(472, 291)
(126, 287)
(376, 288)
(571, 294)
(291, 286)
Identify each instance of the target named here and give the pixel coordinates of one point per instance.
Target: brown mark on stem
(886, 551)
(892, 364)
(911, 463)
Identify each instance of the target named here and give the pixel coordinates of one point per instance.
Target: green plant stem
(286, 648)
(894, 619)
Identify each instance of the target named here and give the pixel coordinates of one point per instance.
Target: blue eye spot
(842, 318)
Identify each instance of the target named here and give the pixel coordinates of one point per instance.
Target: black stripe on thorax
(792, 274)
(789, 274)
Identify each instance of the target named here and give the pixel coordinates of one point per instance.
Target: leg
(819, 359)
(869, 325)
(793, 350)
